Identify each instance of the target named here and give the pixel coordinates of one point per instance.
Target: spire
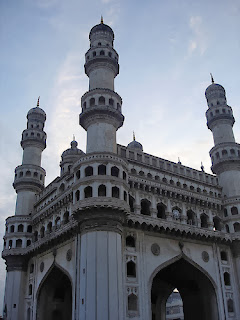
(101, 19)
(134, 136)
(38, 101)
(212, 78)
(73, 137)
(202, 167)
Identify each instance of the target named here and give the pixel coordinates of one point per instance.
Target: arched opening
(226, 277)
(191, 217)
(130, 242)
(29, 228)
(196, 290)
(101, 100)
(224, 256)
(236, 227)
(18, 243)
(49, 227)
(114, 171)
(54, 300)
(217, 224)
(92, 102)
(204, 220)
(176, 213)
(62, 187)
(145, 207)
(78, 174)
(115, 192)
(66, 217)
(12, 228)
(77, 195)
(131, 203)
(88, 171)
(131, 269)
(20, 228)
(161, 211)
(28, 243)
(174, 306)
(88, 192)
(132, 302)
(234, 211)
(42, 232)
(102, 170)
(102, 190)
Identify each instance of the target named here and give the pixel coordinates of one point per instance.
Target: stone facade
(119, 229)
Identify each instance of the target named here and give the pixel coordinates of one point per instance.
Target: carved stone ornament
(69, 255)
(155, 249)
(42, 266)
(205, 256)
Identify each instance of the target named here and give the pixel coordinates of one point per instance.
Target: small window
(132, 302)
(88, 192)
(114, 172)
(77, 195)
(131, 203)
(18, 243)
(236, 227)
(102, 169)
(94, 53)
(145, 207)
(161, 211)
(66, 217)
(234, 211)
(28, 243)
(224, 256)
(133, 171)
(49, 227)
(131, 269)
(130, 242)
(101, 100)
(102, 190)
(20, 228)
(99, 43)
(115, 192)
(226, 277)
(12, 228)
(30, 290)
(230, 305)
(42, 232)
(88, 171)
(92, 102)
(124, 175)
(110, 54)
(78, 174)
(111, 102)
(102, 53)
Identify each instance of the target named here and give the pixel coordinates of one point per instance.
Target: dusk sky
(167, 50)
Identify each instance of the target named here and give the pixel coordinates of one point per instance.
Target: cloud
(198, 42)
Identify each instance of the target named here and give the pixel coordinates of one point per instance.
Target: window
(176, 213)
(35, 236)
(88, 171)
(115, 192)
(49, 227)
(149, 175)
(28, 243)
(190, 217)
(66, 217)
(132, 302)
(92, 102)
(225, 212)
(236, 227)
(94, 53)
(102, 190)
(29, 228)
(78, 174)
(10, 244)
(111, 102)
(131, 269)
(131, 203)
(88, 192)
(125, 196)
(133, 171)
(12, 228)
(18, 243)
(226, 277)
(141, 173)
(204, 220)
(20, 228)
(102, 169)
(217, 225)
(224, 256)
(145, 207)
(42, 232)
(130, 242)
(161, 208)
(234, 211)
(114, 172)
(230, 305)
(101, 100)
(77, 195)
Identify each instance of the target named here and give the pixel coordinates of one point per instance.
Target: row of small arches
(102, 170)
(234, 211)
(33, 134)
(29, 173)
(172, 182)
(225, 153)
(18, 243)
(49, 228)
(219, 111)
(174, 195)
(101, 52)
(102, 101)
(19, 228)
(35, 125)
(102, 192)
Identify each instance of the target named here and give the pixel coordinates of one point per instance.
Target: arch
(191, 219)
(20, 228)
(102, 169)
(204, 220)
(145, 207)
(102, 190)
(131, 269)
(92, 102)
(101, 100)
(77, 195)
(132, 302)
(54, 295)
(234, 211)
(102, 53)
(115, 192)
(161, 211)
(19, 243)
(133, 171)
(88, 192)
(217, 225)
(131, 203)
(49, 227)
(236, 227)
(176, 213)
(66, 217)
(12, 228)
(227, 280)
(111, 102)
(29, 228)
(78, 174)
(130, 242)
(88, 171)
(114, 171)
(195, 285)
(42, 232)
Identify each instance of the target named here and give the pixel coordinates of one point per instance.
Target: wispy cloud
(198, 41)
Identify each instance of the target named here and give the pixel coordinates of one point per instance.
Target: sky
(166, 51)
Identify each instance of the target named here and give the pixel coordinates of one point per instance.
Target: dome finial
(73, 137)
(101, 19)
(179, 161)
(212, 78)
(134, 136)
(38, 101)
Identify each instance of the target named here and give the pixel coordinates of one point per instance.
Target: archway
(196, 289)
(55, 297)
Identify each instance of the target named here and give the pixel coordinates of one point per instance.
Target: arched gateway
(54, 301)
(196, 289)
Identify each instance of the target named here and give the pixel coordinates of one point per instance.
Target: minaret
(225, 154)
(29, 180)
(100, 200)
(30, 176)
(101, 106)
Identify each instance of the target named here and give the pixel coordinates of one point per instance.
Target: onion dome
(135, 144)
(36, 112)
(215, 91)
(101, 27)
(73, 151)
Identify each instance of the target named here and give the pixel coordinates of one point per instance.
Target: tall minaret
(225, 154)
(29, 180)
(101, 106)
